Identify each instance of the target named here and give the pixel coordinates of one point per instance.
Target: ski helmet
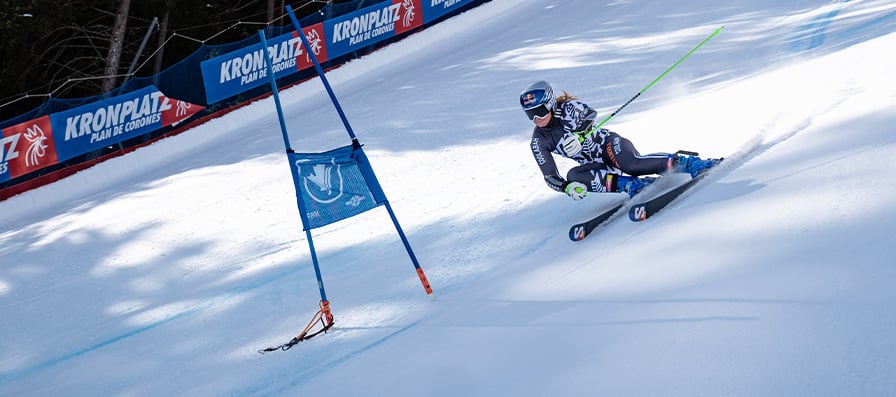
(537, 99)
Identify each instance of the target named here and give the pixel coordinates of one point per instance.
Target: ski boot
(632, 184)
(689, 163)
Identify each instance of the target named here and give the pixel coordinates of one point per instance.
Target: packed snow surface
(164, 271)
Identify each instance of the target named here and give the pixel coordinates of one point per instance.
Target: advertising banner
(26, 147)
(241, 70)
(371, 24)
(50, 139)
(433, 9)
(90, 127)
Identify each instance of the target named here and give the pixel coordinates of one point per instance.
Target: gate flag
(332, 185)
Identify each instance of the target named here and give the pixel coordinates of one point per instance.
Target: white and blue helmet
(537, 99)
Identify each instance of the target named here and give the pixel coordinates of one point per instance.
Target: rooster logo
(182, 108)
(315, 42)
(409, 12)
(37, 148)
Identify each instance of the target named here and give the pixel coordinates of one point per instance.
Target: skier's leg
(593, 175)
(600, 178)
(621, 153)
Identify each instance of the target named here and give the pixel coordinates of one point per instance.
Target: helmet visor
(538, 111)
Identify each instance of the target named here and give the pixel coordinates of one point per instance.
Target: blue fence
(62, 133)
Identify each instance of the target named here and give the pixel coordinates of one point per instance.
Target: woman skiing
(607, 161)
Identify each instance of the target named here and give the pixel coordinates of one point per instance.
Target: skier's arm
(547, 165)
(576, 190)
(577, 116)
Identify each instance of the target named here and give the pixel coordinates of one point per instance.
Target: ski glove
(570, 145)
(576, 190)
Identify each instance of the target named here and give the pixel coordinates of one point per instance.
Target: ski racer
(607, 161)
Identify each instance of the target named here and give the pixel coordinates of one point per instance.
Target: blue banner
(238, 71)
(334, 185)
(434, 9)
(371, 24)
(99, 124)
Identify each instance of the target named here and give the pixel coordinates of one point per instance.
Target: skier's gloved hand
(576, 190)
(570, 144)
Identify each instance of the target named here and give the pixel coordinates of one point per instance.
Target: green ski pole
(597, 127)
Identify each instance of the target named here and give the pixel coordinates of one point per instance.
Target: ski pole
(597, 127)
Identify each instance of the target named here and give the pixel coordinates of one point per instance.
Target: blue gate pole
(320, 72)
(292, 168)
(356, 145)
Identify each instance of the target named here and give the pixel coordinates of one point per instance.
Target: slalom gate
(330, 186)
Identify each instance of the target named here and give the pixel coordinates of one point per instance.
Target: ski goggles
(540, 112)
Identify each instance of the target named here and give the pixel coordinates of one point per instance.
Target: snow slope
(164, 271)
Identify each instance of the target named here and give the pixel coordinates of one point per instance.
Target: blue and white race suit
(604, 152)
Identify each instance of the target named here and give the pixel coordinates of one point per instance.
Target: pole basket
(323, 317)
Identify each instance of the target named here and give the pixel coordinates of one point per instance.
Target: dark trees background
(69, 48)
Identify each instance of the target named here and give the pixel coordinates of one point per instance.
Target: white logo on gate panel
(323, 184)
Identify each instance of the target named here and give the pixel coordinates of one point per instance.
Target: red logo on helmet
(528, 99)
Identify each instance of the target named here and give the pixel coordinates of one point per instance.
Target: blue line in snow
(818, 26)
(59, 359)
(22, 372)
(817, 31)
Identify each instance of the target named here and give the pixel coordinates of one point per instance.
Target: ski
(648, 208)
(640, 211)
(579, 231)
